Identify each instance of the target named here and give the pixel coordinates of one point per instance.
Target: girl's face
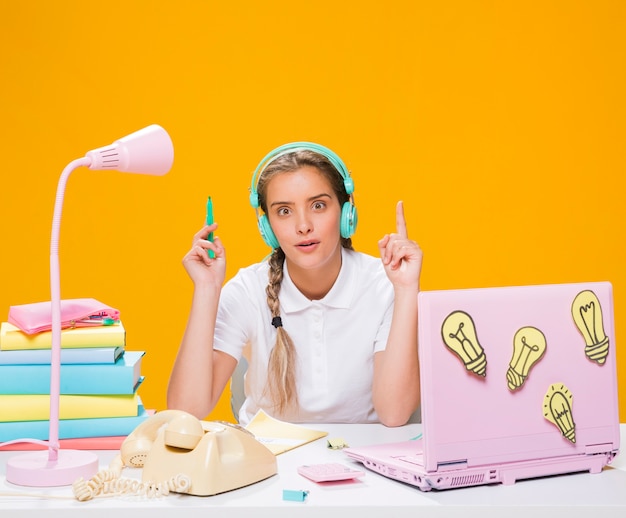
(305, 214)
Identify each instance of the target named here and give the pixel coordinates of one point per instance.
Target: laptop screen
(517, 373)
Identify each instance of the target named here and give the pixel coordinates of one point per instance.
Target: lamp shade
(147, 151)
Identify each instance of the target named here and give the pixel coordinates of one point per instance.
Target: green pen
(209, 221)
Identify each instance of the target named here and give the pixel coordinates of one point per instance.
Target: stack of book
(99, 382)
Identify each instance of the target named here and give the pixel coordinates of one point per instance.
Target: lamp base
(34, 469)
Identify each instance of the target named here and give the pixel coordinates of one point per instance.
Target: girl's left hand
(402, 257)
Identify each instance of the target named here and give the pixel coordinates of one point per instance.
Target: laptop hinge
(452, 465)
(593, 449)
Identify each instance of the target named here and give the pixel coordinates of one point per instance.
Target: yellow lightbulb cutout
(529, 344)
(557, 408)
(587, 314)
(459, 335)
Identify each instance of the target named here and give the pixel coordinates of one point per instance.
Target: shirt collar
(339, 296)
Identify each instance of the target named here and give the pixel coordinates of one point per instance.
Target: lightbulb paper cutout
(529, 345)
(459, 334)
(587, 314)
(557, 408)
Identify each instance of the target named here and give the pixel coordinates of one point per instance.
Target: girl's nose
(304, 225)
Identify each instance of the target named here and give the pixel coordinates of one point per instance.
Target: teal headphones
(348, 211)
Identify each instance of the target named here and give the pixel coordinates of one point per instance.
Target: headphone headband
(332, 157)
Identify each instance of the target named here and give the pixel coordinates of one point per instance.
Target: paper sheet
(280, 436)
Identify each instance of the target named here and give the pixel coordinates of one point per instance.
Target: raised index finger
(400, 222)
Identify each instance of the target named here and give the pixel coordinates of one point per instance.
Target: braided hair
(281, 369)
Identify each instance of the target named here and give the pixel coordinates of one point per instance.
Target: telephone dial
(181, 454)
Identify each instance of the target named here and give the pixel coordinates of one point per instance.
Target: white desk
(572, 496)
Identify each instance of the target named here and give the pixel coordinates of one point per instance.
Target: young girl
(330, 334)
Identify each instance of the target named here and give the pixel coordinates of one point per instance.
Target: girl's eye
(318, 205)
(283, 211)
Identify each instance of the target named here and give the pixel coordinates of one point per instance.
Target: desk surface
(370, 496)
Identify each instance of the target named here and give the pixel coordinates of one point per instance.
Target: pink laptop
(517, 382)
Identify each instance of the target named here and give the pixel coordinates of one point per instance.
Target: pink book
(82, 443)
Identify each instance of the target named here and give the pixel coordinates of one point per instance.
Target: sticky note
(337, 443)
(295, 495)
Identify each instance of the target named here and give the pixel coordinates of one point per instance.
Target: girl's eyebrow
(311, 198)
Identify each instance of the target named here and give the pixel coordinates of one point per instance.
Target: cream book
(279, 436)
(12, 338)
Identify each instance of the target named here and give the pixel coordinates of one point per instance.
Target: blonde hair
(281, 368)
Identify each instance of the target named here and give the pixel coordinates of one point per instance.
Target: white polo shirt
(335, 338)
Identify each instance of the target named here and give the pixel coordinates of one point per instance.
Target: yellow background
(500, 124)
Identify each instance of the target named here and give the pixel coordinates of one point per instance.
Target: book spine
(75, 428)
(84, 355)
(105, 379)
(37, 407)
(78, 443)
(11, 338)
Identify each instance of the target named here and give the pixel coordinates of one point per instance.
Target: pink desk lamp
(147, 151)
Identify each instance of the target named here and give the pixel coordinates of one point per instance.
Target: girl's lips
(308, 246)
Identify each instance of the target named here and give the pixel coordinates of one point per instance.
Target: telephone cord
(109, 483)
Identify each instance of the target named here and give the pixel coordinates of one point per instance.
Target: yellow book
(13, 339)
(20, 407)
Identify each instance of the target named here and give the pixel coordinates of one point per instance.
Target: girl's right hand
(199, 266)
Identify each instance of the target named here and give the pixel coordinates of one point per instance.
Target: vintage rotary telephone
(179, 453)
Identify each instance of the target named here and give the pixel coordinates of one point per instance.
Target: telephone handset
(183, 430)
(179, 453)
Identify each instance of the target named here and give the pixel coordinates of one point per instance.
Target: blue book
(79, 355)
(116, 378)
(74, 428)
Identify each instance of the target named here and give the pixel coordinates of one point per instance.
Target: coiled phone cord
(108, 482)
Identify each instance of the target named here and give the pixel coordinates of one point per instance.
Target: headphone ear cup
(349, 219)
(267, 233)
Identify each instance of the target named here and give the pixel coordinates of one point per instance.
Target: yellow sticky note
(336, 443)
